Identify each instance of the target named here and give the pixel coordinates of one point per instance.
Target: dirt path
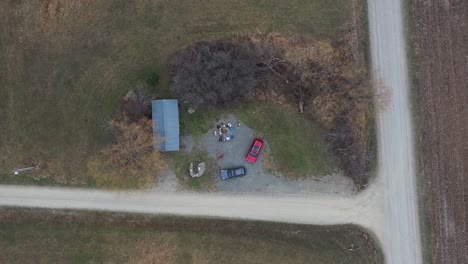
(396, 174)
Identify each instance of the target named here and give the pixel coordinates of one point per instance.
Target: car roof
(257, 144)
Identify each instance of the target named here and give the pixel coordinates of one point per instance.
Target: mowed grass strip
(65, 65)
(35, 236)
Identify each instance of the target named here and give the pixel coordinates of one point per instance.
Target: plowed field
(440, 40)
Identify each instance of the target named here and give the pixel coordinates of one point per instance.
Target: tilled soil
(440, 40)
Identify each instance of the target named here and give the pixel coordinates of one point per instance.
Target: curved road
(388, 208)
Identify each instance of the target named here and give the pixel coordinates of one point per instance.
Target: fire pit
(197, 170)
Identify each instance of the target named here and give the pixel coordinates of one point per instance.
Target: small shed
(166, 124)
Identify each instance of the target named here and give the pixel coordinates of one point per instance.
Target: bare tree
(136, 104)
(327, 83)
(216, 73)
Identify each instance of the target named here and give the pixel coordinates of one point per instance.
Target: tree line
(321, 79)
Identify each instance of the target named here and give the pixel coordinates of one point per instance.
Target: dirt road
(361, 209)
(396, 174)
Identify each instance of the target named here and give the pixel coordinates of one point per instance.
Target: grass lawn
(415, 94)
(297, 144)
(199, 123)
(181, 160)
(35, 236)
(65, 65)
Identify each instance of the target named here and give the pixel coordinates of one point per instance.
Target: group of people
(224, 131)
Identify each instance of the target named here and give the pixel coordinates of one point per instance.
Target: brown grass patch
(268, 163)
(60, 15)
(156, 252)
(91, 237)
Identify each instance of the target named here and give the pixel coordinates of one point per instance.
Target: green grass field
(34, 236)
(65, 65)
(297, 144)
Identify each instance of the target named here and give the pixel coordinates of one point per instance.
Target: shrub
(136, 104)
(153, 79)
(130, 160)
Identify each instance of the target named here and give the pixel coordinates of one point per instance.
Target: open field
(75, 237)
(440, 50)
(65, 65)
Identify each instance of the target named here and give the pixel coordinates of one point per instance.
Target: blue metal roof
(166, 124)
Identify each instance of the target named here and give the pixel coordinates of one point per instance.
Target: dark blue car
(233, 172)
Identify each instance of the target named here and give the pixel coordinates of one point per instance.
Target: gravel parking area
(259, 179)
